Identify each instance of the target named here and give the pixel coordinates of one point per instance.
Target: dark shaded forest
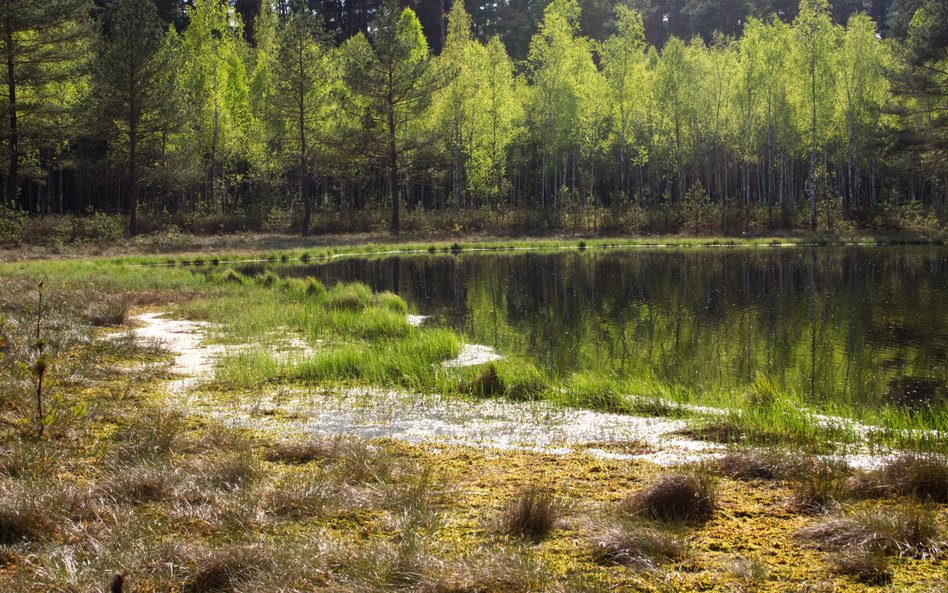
(691, 116)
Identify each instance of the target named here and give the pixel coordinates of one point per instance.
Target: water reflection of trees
(842, 323)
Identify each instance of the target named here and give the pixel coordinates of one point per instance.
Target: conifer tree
(393, 73)
(136, 92)
(41, 43)
(302, 87)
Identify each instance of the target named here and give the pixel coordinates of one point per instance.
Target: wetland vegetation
(221, 484)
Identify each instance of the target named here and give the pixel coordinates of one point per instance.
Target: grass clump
(757, 465)
(231, 276)
(516, 380)
(32, 510)
(107, 311)
(350, 297)
(819, 486)
(631, 544)
(300, 453)
(683, 498)
(223, 570)
(299, 497)
(391, 302)
(229, 471)
(149, 482)
(592, 391)
(904, 531)
(923, 476)
(866, 566)
(531, 513)
(149, 435)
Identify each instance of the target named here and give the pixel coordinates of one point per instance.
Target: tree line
(170, 107)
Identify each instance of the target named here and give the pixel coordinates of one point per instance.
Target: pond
(863, 326)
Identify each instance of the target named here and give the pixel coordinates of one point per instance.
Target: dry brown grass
(301, 452)
(37, 509)
(625, 543)
(919, 475)
(686, 498)
(758, 465)
(819, 486)
(531, 513)
(866, 566)
(224, 569)
(910, 530)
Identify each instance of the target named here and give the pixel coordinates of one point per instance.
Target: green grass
(355, 336)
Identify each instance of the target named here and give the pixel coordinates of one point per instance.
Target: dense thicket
(771, 111)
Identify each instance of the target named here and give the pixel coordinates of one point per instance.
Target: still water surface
(861, 325)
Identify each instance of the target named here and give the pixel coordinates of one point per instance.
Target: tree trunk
(393, 166)
(13, 170)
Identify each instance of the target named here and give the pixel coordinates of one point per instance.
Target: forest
(614, 116)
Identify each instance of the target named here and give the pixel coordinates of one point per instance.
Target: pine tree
(136, 92)
(302, 81)
(393, 74)
(41, 43)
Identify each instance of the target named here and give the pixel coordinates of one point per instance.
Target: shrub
(12, 224)
(531, 513)
(678, 497)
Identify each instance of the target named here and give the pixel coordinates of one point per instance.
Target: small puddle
(418, 418)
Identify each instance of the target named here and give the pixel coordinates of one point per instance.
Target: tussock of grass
(819, 486)
(23, 459)
(866, 566)
(300, 496)
(531, 513)
(391, 302)
(301, 452)
(514, 379)
(591, 390)
(36, 509)
(149, 435)
(489, 571)
(229, 471)
(758, 465)
(923, 476)
(350, 297)
(224, 569)
(910, 530)
(149, 482)
(232, 276)
(105, 310)
(750, 569)
(685, 498)
(631, 544)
